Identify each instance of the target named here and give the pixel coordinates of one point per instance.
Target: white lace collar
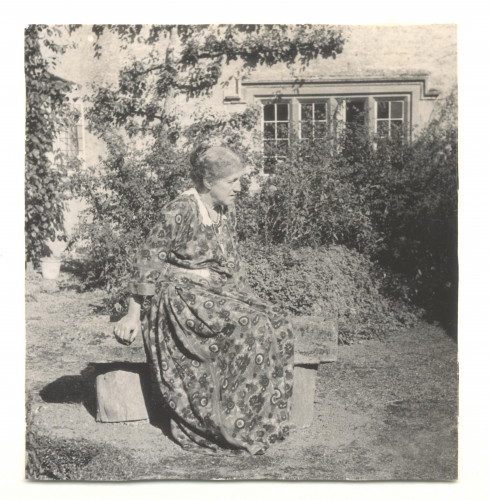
(206, 220)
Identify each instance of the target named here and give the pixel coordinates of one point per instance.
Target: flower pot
(50, 267)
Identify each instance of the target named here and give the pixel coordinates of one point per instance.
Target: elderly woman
(223, 359)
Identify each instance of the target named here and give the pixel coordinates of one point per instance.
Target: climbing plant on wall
(48, 110)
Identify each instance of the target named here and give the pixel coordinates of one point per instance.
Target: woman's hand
(127, 329)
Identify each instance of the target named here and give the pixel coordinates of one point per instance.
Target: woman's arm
(129, 326)
(150, 262)
(152, 257)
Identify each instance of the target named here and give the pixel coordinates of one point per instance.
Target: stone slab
(302, 404)
(120, 397)
(316, 340)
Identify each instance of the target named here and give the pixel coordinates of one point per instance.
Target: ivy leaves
(47, 111)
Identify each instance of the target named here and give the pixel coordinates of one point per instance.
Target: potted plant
(50, 266)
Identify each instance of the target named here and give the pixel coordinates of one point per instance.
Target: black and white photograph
(241, 252)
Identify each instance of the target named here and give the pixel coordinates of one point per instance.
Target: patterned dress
(222, 359)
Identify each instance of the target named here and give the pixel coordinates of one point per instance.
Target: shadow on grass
(81, 389)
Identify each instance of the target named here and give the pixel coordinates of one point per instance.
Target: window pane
(269, 148)
(74, 140)
(396, 128)
(320, 111)
(269, 112)
(282, 148)
(306, 130)
(283, 130)
(269, 164)
(383, 109)
(397, 109)
(306, 111)
(354, 111)
(320, 129)
(282, 112)
(382, 128)
(269, 130)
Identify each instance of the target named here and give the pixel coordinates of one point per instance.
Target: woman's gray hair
(212, 162)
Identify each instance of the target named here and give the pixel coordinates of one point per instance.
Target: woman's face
(223, 191)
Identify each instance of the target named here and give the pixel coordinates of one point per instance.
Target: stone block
(316, 339)
(120, 397)
(302, 404)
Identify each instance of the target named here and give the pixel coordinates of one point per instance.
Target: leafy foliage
(392, 201)
(125, 194)
(322, 206)
(188, 61)
(334, 282)
(419, 222)
(47, 110)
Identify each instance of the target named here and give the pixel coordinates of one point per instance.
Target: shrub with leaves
(333, 282)
(125, 194)
(309, 200)
(419, 222)
(393, 201)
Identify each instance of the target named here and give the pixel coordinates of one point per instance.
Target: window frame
(365, 112)
(290, 121)
(404, 118)
(69, 141)
(299, 114)
(370, 99)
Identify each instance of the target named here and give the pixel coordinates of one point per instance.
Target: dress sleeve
(152, 256)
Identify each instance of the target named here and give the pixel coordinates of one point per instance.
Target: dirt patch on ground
(384, 410)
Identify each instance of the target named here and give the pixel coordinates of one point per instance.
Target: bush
(125, 194)
(332, 282)
(394, 202)
(420, 221)
(310, 200)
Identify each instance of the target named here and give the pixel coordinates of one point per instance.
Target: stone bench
(121, 394)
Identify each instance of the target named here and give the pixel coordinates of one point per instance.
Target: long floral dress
(222, 359)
